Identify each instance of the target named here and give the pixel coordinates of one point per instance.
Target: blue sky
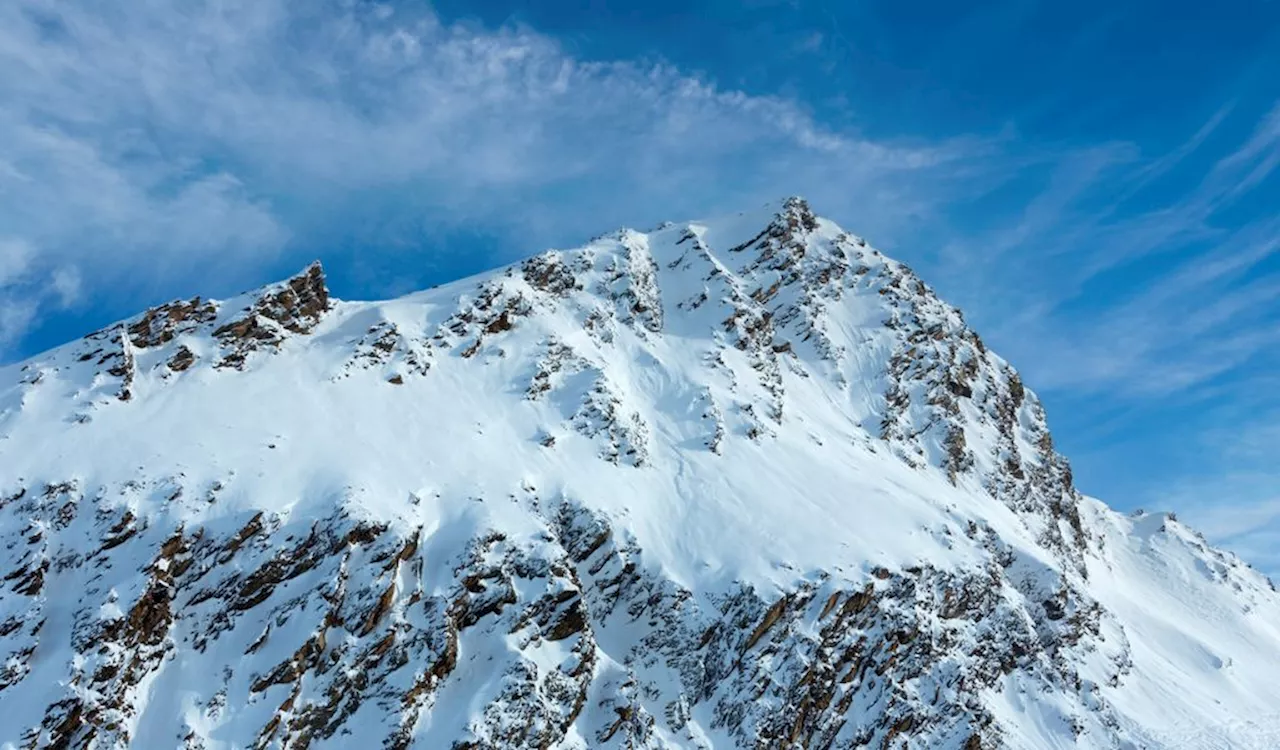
(1096, 184)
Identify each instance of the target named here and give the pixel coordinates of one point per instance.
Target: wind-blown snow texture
(735, 483)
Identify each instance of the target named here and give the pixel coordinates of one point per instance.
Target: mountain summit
(736, 483)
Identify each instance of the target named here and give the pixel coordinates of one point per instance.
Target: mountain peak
(735, 482)
(797, 207)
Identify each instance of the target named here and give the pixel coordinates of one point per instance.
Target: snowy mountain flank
(736, 483)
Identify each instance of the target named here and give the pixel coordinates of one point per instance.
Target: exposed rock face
(294, 307)
(173, 336)
(743, 483)
(343, 607)
(159, 325)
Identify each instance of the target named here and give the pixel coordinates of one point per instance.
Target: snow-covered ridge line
(739, 482)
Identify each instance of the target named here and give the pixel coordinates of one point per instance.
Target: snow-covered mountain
(738, 483)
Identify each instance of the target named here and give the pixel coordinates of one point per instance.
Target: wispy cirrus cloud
(143, 143)
(1235, 500)
(144, 146)
(22, 293)
(1115, 282)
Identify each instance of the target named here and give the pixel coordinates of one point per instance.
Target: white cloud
(1113, 282)
(145, 144)
(149, 145)
(24, 285)
(1235, 497)
(15, 318)
(1254, 161)
(15, 257)
(66, 286)
(811, 42)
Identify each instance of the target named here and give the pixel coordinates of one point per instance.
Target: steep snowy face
(733, 483)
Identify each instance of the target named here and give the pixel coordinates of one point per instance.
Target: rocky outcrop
(160, 325)
(550, 507)
(596, 638)
(384, 347)
(296, 306)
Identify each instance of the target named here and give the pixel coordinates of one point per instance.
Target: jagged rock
(736, 483)
(296, 306)
(159, 325)
(183, 359)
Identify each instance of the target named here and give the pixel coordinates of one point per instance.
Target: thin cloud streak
(140, 148)
(1236, 500)
(144, 145)
(1203, 309)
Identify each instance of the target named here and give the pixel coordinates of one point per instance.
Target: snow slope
(742, 482)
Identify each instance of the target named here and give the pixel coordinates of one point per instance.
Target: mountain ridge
(709, 485)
